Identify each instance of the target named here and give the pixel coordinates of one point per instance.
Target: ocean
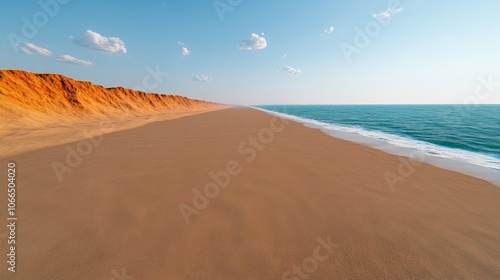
(463, 138)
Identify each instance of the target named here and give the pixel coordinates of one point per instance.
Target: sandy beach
(240, 194)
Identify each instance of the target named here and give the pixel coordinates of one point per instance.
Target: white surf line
(465, 162)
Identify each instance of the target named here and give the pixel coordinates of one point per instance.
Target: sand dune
(35, 106)
(29, 99)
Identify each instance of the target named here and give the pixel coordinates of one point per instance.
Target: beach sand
(22, 139)
(299, 205)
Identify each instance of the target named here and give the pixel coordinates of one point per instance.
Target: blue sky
(419, 51)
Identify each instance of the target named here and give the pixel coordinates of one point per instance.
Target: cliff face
(29, 99)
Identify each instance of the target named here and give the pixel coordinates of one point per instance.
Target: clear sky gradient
(417, 52)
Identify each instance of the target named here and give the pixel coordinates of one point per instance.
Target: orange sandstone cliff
(37, 100)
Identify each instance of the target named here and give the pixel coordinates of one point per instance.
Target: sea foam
(466, 162)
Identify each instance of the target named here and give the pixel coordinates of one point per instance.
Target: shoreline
(488, 174)
(291, 190)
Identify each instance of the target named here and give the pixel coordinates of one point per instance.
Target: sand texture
(298, 205)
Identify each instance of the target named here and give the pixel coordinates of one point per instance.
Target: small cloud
(180, 43)
(387, 14)
(95, 41)
(31, 49)
(185, 51)
(329, 30)
(73, 60)
(284, 55)
(202, 78)
(255, 43)
(291, 70)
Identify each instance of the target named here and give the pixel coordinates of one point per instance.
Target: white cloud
(202, 78)
(329, 30)
(291, 70)
(185, 51)
(387, 14)
(73, 60)
(255, 43)
(30, 49)
(95, 41)
(284, 55)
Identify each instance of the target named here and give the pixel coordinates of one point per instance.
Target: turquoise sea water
(468, 134)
